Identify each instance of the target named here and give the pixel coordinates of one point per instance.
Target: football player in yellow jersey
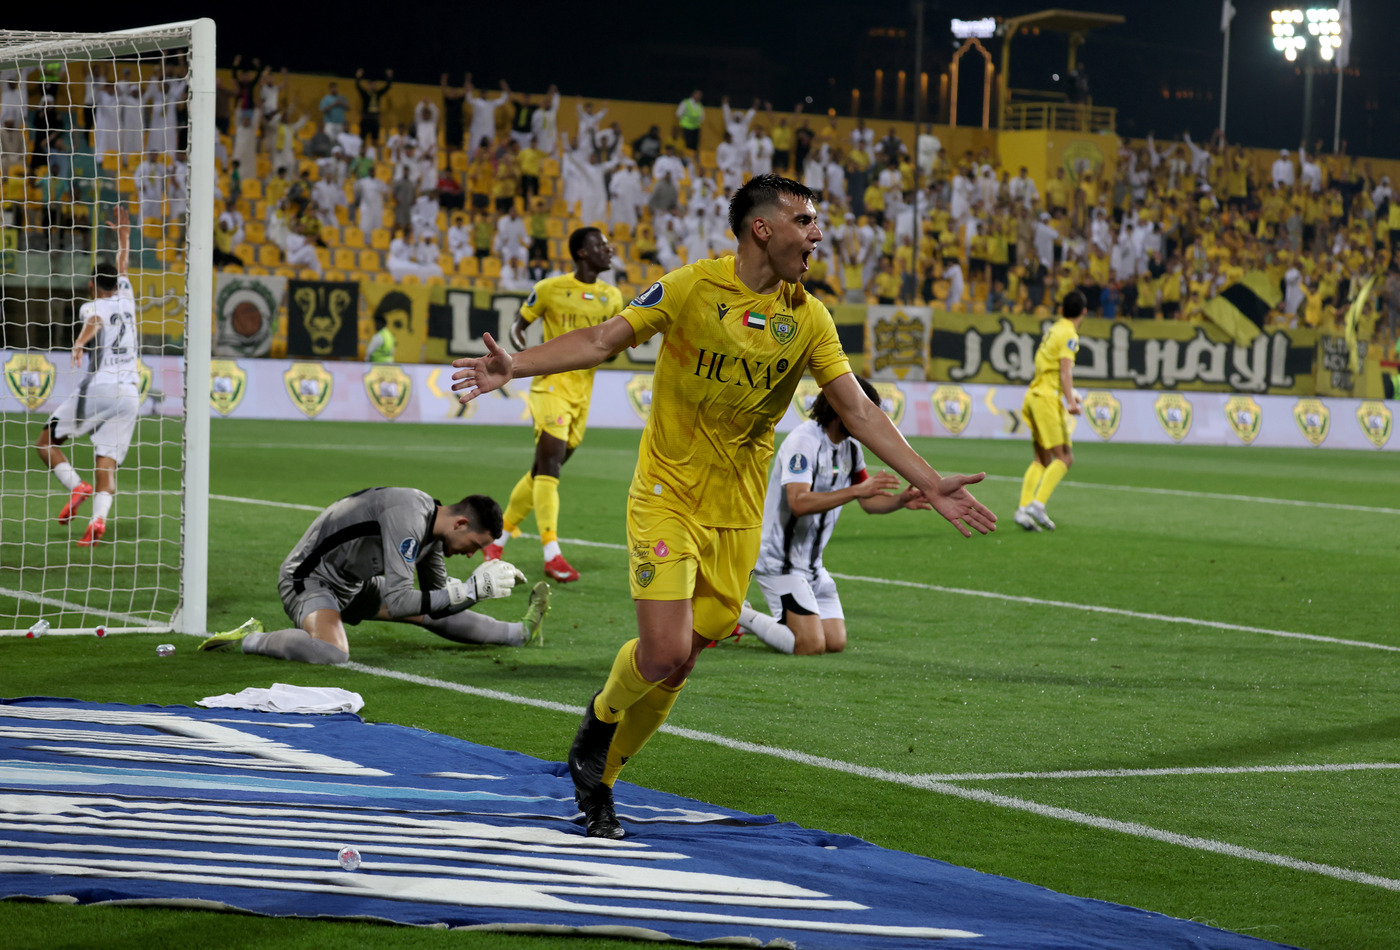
(1045, 414)
(558, 401)
(738, 334)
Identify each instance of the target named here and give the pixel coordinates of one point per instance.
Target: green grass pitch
(1119, 754)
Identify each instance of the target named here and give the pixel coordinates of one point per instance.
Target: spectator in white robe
(284, 143)
(737, 123)
(1282, 170)
(423, 216)
(106, 121)
(627, 196)
(14, 96)
(669, 163)
(245, 146)
(326, 196)
(590, 185)
(162, 94)
(425, 125)
(590, 120)
(459, 239)
(545, 124)
(131, 133)
(150, 187)
(729, 159)
(483, 125)
(759, 151)
(369, 198)
(177, 188)
(300, 252)
(511, 240)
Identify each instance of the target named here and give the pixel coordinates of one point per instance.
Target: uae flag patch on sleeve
(755, 321)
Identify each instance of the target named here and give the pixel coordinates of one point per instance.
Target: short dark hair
(482, 514)
(577, 238)
(1074, 304)
(104, 275)
(822, 412)
(761, 191)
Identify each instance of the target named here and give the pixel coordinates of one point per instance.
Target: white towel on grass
(284, 698)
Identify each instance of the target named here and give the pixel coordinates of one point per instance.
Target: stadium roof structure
(1076, 23)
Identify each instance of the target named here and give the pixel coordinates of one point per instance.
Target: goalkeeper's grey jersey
(374, 532)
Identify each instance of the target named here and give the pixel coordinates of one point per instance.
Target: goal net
(91, 124)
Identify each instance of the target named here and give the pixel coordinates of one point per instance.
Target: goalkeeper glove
(495, 579)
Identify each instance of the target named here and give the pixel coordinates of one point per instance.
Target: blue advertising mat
(233, 809)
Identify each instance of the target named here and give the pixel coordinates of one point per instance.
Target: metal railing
(1056, 116)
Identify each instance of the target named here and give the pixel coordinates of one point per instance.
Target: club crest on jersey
(783, 327)
(651, 296)
(645, 573)
(1104, 412)
(30, 378)
(1376, 420)
(639, 395)
(408, 547)
(1244, 416)
(1174, 414)
(798, 464)
(1313, 419)
(388, 388)
(953, 406)
(228, 382)
(308, 385)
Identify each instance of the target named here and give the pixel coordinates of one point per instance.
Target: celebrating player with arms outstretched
(738, 333)
(559, 401)
(105, 402)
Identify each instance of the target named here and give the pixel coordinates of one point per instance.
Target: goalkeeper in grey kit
(358, 561)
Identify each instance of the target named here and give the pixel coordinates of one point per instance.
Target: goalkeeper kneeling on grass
(358, 561)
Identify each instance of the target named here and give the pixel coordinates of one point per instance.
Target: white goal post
(90, 122)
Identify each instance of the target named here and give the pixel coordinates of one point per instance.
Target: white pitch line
(75, 608)
(931, 784)
(987, 594)
(1150, 773)
(1213, 496)
(1119, 612)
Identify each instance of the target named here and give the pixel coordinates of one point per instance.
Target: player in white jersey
(817, 470)
(104, 405)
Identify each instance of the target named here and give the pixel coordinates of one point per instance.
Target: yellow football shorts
(1047, 418)
(559, 417)
(673, 557)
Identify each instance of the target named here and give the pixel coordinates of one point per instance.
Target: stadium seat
(469, 267)
(550, 168)
(252, 189)
(548, 187)
(284, 271)
(436, 281)
(622, 231)
(410, 280)
(335, 274)
(379, 239)
(255, 232)
(269, 255)
(370, 260)
(459, 161)
(554, 228)
(354, 237)
(491, 267)
(307, 273)
(384, 172)
(255, 271)
(344, 259)
(324, 256)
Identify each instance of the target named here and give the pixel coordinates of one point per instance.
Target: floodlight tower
(1295, 32)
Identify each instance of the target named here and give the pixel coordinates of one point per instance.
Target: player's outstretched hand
(914, 499)
(879, 483)
(952, 500)
(481, 374)
(496, 579)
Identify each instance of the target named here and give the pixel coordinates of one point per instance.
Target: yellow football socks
(641, 722)
(1028, 484)
(547, 507)
(624, 687)
(522, 499)
(1053, 473)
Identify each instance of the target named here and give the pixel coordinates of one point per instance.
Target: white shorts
(803, 595)
(105, 411)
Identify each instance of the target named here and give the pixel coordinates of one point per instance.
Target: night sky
(1160, 69)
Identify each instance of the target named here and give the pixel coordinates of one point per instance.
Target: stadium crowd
(481, 188)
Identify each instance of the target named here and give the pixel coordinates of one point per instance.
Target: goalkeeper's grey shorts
(354, 606)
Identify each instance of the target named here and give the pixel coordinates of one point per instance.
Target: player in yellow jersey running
(558, 401)
(738, 334)
(1045, 413)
